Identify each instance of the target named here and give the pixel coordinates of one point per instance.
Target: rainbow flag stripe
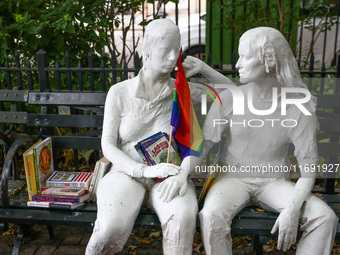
(187, 131)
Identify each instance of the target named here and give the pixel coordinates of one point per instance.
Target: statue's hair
(275, 53)
(155, 31)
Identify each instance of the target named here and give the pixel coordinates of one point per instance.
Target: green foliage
(61, 26)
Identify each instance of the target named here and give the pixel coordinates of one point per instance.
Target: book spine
(30, 175)
(61, 206)
(36, 168)
(56, 199)
(94, 176)
(51, 184)
(39, 204)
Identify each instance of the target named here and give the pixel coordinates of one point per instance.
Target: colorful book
(70, 199)
(63, 192)
(38, 162)
(154, 150)
(69, 179)
(102, 167)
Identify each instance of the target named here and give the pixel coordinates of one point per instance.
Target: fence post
(43, 75)
(330, 181)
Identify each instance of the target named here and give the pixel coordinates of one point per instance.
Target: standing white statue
(256, 150)
(134, 110)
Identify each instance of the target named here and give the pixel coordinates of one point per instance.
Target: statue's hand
(192, 66)
(287, 223)
(162, 170)
(169, 187)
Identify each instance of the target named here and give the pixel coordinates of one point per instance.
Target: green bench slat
(67, 98)
(56, 120)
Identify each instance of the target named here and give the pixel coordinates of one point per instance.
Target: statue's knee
(215, 220)
(330, 219)
(109, 237)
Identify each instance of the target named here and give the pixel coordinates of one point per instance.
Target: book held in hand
(154, 150)
(38, 162)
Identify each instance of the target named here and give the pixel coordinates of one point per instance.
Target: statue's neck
(155, 82)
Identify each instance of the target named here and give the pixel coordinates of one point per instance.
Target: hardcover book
(38, 162)
(69, 179)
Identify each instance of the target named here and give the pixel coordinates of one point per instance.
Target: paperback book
(102, 167)
(55, 198)
(63, 192)
(56, 205)
(154, 150)
(69, 179)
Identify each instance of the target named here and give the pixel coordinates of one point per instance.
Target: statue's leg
(178, 220)
(119, 199)
(224, 200)
(317, 221)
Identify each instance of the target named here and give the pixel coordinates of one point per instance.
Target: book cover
(154, 150)
(63, 192)
(158, 151)
(52, 198)
(69, 179)
(101, 168)
(38, 164)
(43, 162)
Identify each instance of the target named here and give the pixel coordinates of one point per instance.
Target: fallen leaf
(155, 234)
(132, 247)
(197, 248)
(145, 241)
(259, 210)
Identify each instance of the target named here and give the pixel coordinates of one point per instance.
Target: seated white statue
(255, 142)
(134, 110)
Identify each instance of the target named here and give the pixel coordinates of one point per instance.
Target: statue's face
(164, 54)
(249, 64)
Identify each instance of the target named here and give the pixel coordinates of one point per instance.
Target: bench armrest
(25, 141)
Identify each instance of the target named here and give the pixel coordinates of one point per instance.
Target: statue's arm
(118, 158)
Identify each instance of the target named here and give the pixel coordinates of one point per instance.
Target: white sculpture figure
(134, 110)
(256, 151)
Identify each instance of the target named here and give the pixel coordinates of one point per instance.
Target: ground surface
(73, 241)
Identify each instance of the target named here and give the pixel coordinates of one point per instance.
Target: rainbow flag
(187, 131)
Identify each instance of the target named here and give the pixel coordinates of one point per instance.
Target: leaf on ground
(132, 247)
(197, 248)
(260, 210)
(155, 234)
(268, 248)
(145, 241)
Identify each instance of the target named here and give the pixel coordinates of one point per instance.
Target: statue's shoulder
(124, 87)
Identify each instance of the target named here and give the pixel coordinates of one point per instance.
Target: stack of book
(53, 189)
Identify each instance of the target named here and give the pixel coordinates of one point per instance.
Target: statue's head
(161, 44)
(273, 54)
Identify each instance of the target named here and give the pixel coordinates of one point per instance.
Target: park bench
(87, 113)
